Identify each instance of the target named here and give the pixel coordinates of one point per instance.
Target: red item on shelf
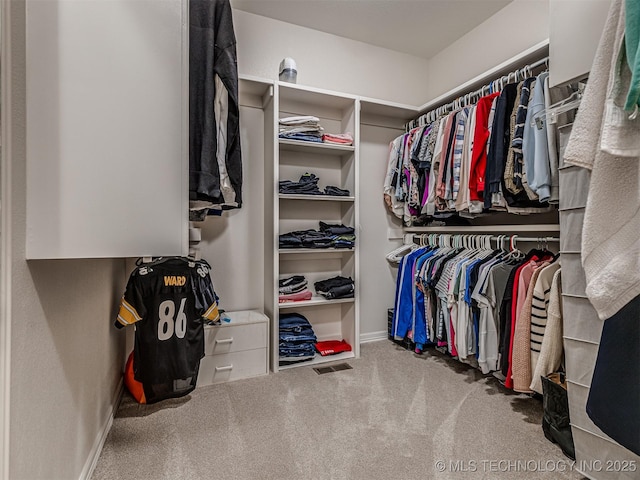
(331, 347)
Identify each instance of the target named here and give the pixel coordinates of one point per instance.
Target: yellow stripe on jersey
(212, 313)
(127, 314)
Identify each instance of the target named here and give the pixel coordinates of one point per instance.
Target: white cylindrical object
(288, 70)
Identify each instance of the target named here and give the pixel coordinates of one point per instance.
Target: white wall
(233, 243)
(517, 27)
(575, 30)
(327, 61)
(65, 353)
(377, 276)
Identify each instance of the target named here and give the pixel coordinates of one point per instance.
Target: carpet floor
(394, 415)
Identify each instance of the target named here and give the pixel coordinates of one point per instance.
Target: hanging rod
(493, 237)
(472, 96)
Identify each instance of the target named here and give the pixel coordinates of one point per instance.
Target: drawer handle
(224, 340)
(226, 368)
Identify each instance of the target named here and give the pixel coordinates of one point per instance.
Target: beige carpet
(395, 415)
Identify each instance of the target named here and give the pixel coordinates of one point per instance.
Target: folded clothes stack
(297, 339)
(308, 185)
(333, 229)
(329, 238)
(336, 287)
(335, 191)
(305, 127)
(338, 138)
(293, 289)
(332, 347)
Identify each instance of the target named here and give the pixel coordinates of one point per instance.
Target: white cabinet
(334, 165)
(234, 350)
(107, 128)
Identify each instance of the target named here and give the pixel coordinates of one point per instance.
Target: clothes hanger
(551, 114)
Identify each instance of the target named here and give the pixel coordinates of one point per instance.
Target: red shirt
(479, 154)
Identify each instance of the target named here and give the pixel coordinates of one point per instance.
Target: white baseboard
(94, 454)
(373, 336)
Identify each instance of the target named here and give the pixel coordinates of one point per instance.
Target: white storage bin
(580, 360)
(571, 222)
(580, 320)
(601, 459)
(578, 395)
(574, 187)
(574, 281)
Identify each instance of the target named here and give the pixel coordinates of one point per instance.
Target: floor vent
(333, 368)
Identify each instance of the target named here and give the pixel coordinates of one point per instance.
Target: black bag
(555, 419)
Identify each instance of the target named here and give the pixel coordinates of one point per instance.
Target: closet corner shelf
(317, 198)
(550, 227)
(320, 359)
(311, 251)
(314, 147)
(316, 300)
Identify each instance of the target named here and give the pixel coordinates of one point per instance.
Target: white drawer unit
(236, 349)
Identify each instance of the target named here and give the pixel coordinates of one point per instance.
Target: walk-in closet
(282, 239)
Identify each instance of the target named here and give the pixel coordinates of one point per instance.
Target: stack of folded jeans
(293, 289)
(306, 128)
(329, 236)
(307, 185)
(297, 340)
(330, 229)
(305, 239)
(336, 287)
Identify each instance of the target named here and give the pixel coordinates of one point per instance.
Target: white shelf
(250, 85)
(319, 359)
(315, 301)
(335, 165)
(313, 96)
(317, 198)
(374, 106)
(314, 147)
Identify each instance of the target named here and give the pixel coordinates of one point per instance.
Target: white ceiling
(417, 27)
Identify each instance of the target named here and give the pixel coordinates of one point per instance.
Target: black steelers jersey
(167, 301)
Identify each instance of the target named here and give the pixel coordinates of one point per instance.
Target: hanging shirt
(480, 143)
(167, 301)
(500, 139)
(535, 149)
(215, 159)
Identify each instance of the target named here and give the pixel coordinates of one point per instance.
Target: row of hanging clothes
(492, 150)
(497, 309)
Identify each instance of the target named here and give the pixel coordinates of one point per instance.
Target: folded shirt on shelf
(299, 120)
(344, 241)
(336, 229)
(308, 185)
(293, 284)
(316, 239)
(295, 297)
(335, 191)
(331, 347)
(305, 127)
(336, 287)
(338, 138)
(305, 137)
